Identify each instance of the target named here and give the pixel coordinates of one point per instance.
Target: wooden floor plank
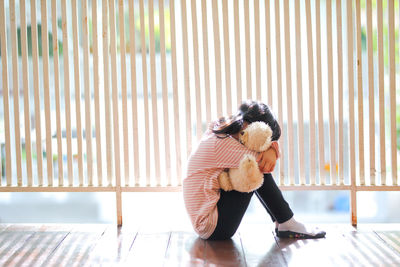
(149, 247)
(370, 248)
(35, 250)
(259, 246)
(316, 252)
(333, 250)
(156, 245)
(224, 252)
(391, 238)
(3, 226)
(13, 240)
(113, 246)
(76, 247)
(185, 249)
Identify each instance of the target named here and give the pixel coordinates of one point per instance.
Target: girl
(216, 214)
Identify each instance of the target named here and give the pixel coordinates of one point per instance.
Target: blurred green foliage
(39, 32)
(138, 43)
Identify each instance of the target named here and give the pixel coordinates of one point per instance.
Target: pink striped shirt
(201, 186)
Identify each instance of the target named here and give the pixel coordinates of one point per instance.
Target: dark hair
(249, 111)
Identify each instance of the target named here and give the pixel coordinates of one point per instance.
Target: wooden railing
(122, 90)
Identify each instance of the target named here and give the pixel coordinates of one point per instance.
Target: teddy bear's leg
(250, 176)
(249, 167)
(224, 181)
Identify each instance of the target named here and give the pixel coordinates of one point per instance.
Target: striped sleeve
(229, 152)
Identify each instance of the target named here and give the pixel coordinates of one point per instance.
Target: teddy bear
(257, 137)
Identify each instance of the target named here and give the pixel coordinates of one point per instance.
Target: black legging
(233, 204)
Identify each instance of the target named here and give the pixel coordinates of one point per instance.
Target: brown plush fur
(247, 178)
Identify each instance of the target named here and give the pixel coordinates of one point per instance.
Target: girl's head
(249, 111)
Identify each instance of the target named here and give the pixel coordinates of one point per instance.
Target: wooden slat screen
(123, 89)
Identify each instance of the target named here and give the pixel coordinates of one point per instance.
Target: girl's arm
(267, 159)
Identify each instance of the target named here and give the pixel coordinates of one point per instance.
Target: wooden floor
(253, 245)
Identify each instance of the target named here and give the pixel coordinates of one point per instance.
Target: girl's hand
(267, 160)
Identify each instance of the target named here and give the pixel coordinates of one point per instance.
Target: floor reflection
(230, 253)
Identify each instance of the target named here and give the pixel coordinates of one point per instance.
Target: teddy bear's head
(257, 136)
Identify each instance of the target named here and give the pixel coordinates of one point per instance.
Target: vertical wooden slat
(360, 95)
(340, 88)
(96, 89)
(35, 63)
(145, 90)
(175, 92)
(114, 92)
(67, 92)
(311, 93)
(132, 48)
(268, 51)
(381, 82)
(300, 122)
(77, 89)
(186, 78)
(330, 93)
(5, 92)
(353, 197)
(27, 110)
(217, 52)
(1, 172)
(371, 107)
(350, 67)
(14, 52)
(196, 71)
(115, 100)
(106, 62)
(279, 88)
(156, 145)
(321, 153)
(165, 92)
(88, 94)
(237, 53)
(248, 49)
(227, 56)
(57, 92)
(288, 64)
(46, 86)
(205, 60)
(119, 206)
(392, 88)
(257, 47)
(124, 89)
